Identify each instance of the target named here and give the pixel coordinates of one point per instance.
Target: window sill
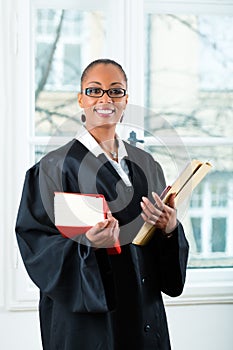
(205, 286)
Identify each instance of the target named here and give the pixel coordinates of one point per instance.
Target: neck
(104, 135)
(107, 141)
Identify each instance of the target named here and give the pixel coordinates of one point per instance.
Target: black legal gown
(90, 299)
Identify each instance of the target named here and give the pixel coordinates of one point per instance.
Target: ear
(80, 99)
(126, 100)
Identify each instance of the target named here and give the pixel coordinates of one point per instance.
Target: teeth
(104, 111)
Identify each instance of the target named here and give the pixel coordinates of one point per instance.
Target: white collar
(92, 145)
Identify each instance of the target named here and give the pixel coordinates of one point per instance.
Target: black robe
(89, 299)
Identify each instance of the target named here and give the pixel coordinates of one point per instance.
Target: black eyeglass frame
(105, 91)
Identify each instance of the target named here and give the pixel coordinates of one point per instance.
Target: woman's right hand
(105, 233)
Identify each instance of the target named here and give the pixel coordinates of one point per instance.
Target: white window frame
(206, 223)
(203, 285)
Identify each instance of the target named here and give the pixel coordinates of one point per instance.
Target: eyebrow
(98, 83)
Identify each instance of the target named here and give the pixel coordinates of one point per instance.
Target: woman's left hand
(162, 216)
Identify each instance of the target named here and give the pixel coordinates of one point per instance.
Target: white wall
(194, 327)
(19, 330)
(201, 327)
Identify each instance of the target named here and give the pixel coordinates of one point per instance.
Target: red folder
(76, 213)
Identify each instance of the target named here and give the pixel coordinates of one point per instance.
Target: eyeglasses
(98, 92)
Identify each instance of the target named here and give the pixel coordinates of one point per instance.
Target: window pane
(189, 78)
(197, 197)
(219, 234)
(215, 52)
(65, 42)
(207, 215)
(189, 85)
(40, 150)
(72, 55)
(196, 226)
(219, 193)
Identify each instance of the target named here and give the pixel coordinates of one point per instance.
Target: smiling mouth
(104, 111)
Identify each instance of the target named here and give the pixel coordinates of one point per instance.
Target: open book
(76, 213)
(188, 179)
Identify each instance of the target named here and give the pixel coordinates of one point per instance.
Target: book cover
(76, 213)
(183, 186)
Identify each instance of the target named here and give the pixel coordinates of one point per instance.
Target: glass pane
(215, 53)
(219, 192)
(196, 200)
(196, 227)
(207, 215)
(189, 77)
(41, 150)
(65, 42)
(219, 234)
(189, 85)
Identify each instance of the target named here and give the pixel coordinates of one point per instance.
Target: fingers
(116, 231)
(105, 233)
(159, 214)
(109, 215)
(109, 222)
(100, 226)
(158, 202)
(171, 200)
(152, 211)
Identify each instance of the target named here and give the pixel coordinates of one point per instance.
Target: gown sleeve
(173, 257)
(63, 269)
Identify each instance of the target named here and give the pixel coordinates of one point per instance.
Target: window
(210, 222)
(181, 100)
(215, 53)
(63, 40)
(51, 42)
(189, 88)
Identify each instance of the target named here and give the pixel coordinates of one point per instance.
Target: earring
(121, 120)
(83, 118)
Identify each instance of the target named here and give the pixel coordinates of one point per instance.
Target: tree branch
(47, 68)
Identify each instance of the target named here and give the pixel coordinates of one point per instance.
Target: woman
(90, 299)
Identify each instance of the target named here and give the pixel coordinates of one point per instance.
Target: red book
(76, 213)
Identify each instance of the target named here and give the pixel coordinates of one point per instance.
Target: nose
(105, 98)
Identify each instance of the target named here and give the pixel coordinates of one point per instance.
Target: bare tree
(56, 110)
(46, 68)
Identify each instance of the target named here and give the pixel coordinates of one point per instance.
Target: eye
(117, 92)
(93, 92)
